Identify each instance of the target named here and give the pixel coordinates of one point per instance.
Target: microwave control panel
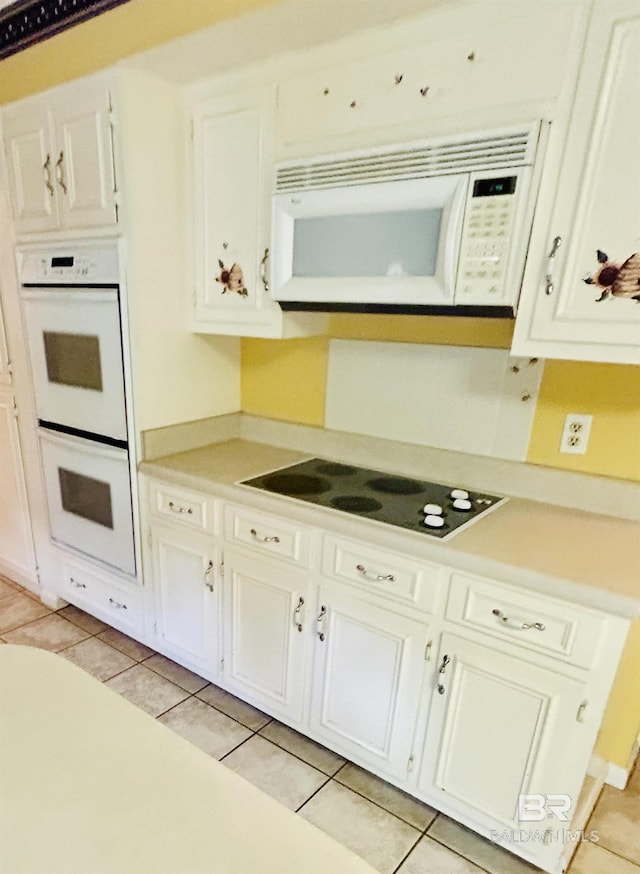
(487, 235)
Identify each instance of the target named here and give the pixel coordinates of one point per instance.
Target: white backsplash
(478, 401)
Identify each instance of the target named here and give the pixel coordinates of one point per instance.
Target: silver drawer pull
(443, 667)
(297, 614)
(76, 584)
(371, 575)
(176, 508)
(320, 622)
(117, 604)
(517, 623)
(208, 579)
(261, 539)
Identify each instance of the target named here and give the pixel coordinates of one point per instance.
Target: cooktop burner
(431, 508)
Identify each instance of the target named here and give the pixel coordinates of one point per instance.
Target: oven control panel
(74, 265)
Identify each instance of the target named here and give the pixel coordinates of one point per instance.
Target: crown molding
(26, 22)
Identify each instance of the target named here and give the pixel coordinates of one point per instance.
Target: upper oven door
(75, 348)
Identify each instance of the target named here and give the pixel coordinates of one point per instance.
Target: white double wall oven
(71, 298)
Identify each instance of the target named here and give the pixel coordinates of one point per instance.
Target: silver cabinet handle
(47, 174)
(517, 623)
(261, 539)
(60, 173)
(76, 584)
(117, 604)
(441, 670)
(208, 581)
(549, 286)
(176, 508)
(320, 621)
(297, 614)
(372, 575)
(263, 270)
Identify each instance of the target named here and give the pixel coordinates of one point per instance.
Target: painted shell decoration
(232, 279)
(617, 280)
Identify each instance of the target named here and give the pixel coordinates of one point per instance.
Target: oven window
(403, 243)
(73, 359)
(86, 497)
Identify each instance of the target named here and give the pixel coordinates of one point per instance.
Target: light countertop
(585, 557)
(93, 785)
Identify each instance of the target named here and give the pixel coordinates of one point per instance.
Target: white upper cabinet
(469, 66)
(60, 159)
(583, 301)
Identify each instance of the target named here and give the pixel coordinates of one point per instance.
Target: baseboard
(617, 775)
(27, 579)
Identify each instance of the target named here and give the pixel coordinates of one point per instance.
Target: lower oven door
(89, 497)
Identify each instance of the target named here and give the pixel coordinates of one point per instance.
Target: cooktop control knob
(432, 521)
(461, 504)
(460, 493)
(432, 509)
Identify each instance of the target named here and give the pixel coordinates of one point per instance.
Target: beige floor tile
(593, 859)
(276, 772)
(634, 780)
(399, 803)
(83, 620)
(148, 690)
(205, 727)
(476, 849)
(616, 818)
(176, 673)
(234, 707)
(98, 658)
(135, 650)
(433, 858)
(372, 833)
(17, 609)
(6, 587)
(303, 747)
(52, 632)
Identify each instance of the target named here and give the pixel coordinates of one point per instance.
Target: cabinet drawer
(119, 604)
(533, 621)
(189, 508)
(403, 579)
(268, 534)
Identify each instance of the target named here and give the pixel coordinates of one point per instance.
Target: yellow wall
(287, 379)
(105, 39)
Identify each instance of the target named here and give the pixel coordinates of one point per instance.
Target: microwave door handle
(453, 234)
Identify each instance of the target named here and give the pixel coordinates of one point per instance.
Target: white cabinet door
(266, 614)
(368, 668)
(499, 727)
(60, 159)
(31, 161)
(16, 545)
(84, 158)
(187, 594)
(232, 165)
(597, 211)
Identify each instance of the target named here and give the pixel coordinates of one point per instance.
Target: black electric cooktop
(430, 508)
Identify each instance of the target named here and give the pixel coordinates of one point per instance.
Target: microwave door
(75, 348)
(382, 243)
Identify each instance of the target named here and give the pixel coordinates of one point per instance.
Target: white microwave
(442, 224)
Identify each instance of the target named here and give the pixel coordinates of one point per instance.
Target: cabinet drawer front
(119, 604)
(403, 579)
(532, 621)
(188, 508)
(268, 534)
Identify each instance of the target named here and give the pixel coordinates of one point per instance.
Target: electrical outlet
(575, 434)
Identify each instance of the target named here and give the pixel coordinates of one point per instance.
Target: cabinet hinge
(427, 651)
(222, 663)
(410, 763)
(580, 713)
(221, 570)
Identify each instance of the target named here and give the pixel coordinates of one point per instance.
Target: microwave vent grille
(417, 161)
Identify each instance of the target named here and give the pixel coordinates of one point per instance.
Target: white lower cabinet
(266, 618)
(480, 697)
(186, 578)
(499, 729)
(368, 669)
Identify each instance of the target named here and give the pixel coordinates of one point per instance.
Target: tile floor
(395, 833)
